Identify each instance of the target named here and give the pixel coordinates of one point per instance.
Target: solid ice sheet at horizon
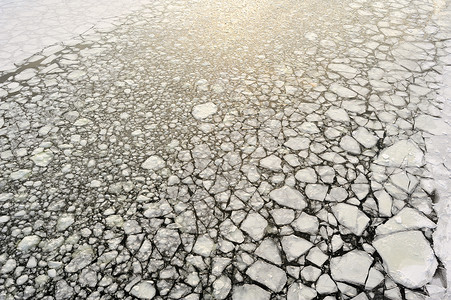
(30, 26)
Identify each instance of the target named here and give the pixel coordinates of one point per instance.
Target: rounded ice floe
(144, 290)
(203, 111)
(297, 143)
(25, 75)
(64, 222)
(153, 163)
(82, 122)
(42, 159)
(338, 114)
(28, 243)
(272, 163)
(352, 267)
(20, 174)
(401, 154)
(408, 258)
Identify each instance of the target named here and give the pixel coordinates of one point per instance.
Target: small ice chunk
(325, 285)
(294, 246)
(20, 174)
(342, 91)
(316, 192)
(254, 225)
(272, 163)
(64, 222)
(231, 232)
(81, 258)
(28, 243)
(74, 75)
(306, 175)
(222, 287)
(297, 143)
(8, 266)
(167, 241)
(203, 111)
(298, 291)
(316, 256)
(374, 279)
(365, 137)
(352, 267)
(338, 114)
(271, 276)
(282, 216)
(385, 202)
(349, 144)
(268, 250)
(204, 246)
(337, 194)
(25, 75)
(82, 122)
(351, 217)
(42, 159)
(250, 292)
(289, 197)
(306, 223)
(153, 163)
(144, 290)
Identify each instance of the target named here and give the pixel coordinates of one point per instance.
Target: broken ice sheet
(201, 162)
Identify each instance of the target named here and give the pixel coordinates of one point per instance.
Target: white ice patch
(401, 154)
(351, 217)
(269, 275)
(42, 159)
(203, 111)
(153, 163)
(407, 219)
(408, 258)
(250, 292)
(144, 290)
(289, 197)
(352, 267)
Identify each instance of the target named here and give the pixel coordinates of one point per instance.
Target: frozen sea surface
(225, 150)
